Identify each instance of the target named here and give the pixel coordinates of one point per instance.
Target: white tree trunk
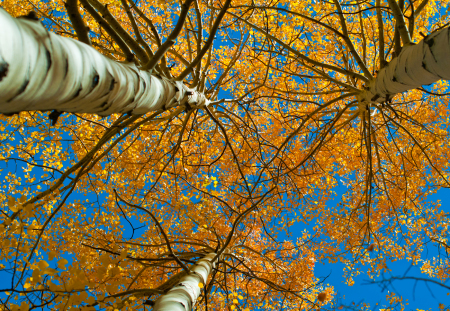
(183, 296)
(40, 70)
(420, 64)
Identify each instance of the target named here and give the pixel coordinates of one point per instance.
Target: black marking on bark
(111, 86)
(77, 93)
(375, 97)
(429, 42)
(10, 114)
(23, 87)
(394, 79)
(149, 303)
(21, 90)
(95, 80)
(130, 58)
(176, 89)
(53, 116)
(49, 59)
(66, 67)
(105, 105)
(31, 15)
(3, 70)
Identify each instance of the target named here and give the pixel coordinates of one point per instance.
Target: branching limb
(349, 43)
(77, 21)
(119, 30)
(135, 28)
(102, 22)
(299, 54)
(159, 54)
(411, 19)
(208, 43)
(420, 8)
(161, 229)
(380, 35)
(400, 21)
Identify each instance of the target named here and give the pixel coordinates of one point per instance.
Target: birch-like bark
(183, 296)
(40, 70)
(417, 65)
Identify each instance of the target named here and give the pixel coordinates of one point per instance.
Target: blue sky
(419, 294)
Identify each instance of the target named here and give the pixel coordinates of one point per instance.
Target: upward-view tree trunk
(419, 64)
(40, 70)
(295, 120)
(183, 296)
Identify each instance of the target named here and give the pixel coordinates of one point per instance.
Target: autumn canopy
(179, 155)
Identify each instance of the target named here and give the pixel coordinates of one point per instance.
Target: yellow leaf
(233, 307)
(114, 271)
(24, 306)
(42, 264)
(104, 259)
(62, 263)
(15, 208)
(51, 255)
(11, 201)
(200, 285)
(22, 199)
(28, 208)
(49, 271)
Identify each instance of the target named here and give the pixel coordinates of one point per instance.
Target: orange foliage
(281, 134)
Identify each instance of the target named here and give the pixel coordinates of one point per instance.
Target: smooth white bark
(40, 70)
(417, 65)
(183, 296)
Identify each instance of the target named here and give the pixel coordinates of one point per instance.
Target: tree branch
(401, 26)
(102, 22)
(81, 29)
(150, 65)
(103, 9)
(208, 43)
(349, 42)
(161, 229)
